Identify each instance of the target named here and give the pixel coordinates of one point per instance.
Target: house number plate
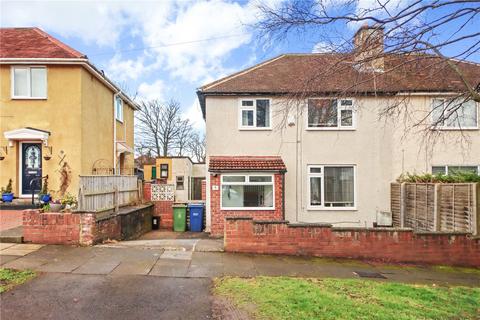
(215, 188)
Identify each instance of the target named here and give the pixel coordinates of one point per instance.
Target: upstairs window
(254, 113)
(29, 82)
(164, 170)
(330, 114)
(118, 108)
(454, 114)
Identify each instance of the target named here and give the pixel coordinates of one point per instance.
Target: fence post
(115, 198)
(402, 205)
(476, 208)
(436, 207)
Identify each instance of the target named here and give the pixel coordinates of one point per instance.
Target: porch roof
(27, 133)
(246, 163)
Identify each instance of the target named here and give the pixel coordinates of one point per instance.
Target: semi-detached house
(328, 156)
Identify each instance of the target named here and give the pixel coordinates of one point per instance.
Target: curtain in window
(315, 191)
(39, 82)
(263, 113)
(20, 88)
(339, 186)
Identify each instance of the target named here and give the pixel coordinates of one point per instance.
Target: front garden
(297, 298)
(10, 278)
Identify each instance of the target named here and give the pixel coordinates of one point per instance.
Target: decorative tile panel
(163, 192)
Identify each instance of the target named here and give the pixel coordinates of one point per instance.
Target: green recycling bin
(179, 217)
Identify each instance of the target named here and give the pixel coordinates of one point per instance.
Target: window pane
(437, 112)
(439, 170)
(179, 182)
(322, 113)
(315, 191)
(119, 108)
(247, 103)
(247, 118)
(339, 186)
(20, 86)
(468, 114)
(347, 102)
(260, 179)
(316, 170)
(247, 196)
(233, 178)
(39, 82)
(458, 169)
(263, 113)
(346, 118)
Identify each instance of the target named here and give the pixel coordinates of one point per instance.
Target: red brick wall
(51, 228)
(218, 216)
(147, 191)
(397, 245)
(164, 210)
(204, 190)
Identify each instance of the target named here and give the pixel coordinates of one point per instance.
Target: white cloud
(123, 70)
(194, 114)
(151, 91)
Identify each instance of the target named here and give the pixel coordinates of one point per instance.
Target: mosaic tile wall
(163, 192)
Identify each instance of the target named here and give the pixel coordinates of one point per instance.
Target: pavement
(169, 277)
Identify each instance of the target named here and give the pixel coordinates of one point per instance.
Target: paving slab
(170, 268)
(209, 245)
(6, 259)
(165, 244)
(6, 245)
(92, 297)
(23, 263)
(177, 255)
(96, 266)
(141, 267)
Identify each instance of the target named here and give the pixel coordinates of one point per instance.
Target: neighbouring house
(182, 172)
(58, 110)
(328, 157)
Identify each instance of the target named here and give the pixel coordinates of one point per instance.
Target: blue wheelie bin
(196, 216)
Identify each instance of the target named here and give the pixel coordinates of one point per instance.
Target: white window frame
(247, 182)
(452, 165)
(321, 175)
(447, 128)
(118, 117)
(29, 82)
(254, 109)
(339, 126)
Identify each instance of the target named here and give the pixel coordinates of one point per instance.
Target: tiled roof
(246, 163)
(333, 73)
(33, 43)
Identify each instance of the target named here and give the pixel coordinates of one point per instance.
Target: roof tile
(246, 163)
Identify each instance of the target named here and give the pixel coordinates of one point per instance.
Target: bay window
(454, 114)
(331, 187)
(330, 114)
(247, 192)
(29, 82)
(254, 114)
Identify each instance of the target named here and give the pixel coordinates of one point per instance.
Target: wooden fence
(446, 207)
(105, 193)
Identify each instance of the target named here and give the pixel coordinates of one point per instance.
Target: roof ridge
(59, 43)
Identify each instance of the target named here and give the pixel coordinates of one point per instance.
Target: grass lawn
(297, 298)
(10, 278)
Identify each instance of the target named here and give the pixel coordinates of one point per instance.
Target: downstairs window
(331, 187)
(247, 192)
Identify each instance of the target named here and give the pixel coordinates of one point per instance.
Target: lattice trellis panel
(163, 192)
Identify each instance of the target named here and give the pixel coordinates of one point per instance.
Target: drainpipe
(115, 133)
(283, 195)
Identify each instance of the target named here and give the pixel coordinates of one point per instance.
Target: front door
(31, 167)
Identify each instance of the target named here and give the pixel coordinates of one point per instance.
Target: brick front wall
(164, 210)
(51, 228)
(218, 216)
(390, 245)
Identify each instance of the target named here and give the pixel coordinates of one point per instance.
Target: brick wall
(204, 190)
(164, 210)
(390, 245)
(147, 191)
(51, 228)
(218, 216)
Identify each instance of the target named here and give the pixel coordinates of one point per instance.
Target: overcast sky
(161, 49)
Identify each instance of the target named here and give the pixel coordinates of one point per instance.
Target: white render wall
(380, 151)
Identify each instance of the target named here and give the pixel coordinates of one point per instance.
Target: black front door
(31, 166)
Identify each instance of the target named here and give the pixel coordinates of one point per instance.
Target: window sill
(330, 129)
(255, 129)
(118, 120)
(331, 209)
(247, 209)
(29, 98)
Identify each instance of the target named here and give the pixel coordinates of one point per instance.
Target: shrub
(8, 188)
(457, 177)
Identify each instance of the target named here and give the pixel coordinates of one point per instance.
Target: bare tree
(196, 147)
(160, 126)
(183, 138)
(429, 38)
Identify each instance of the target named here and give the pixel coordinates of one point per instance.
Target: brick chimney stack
(369, 48)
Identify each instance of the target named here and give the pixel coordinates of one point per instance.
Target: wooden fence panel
(396, 204)
(103, 193)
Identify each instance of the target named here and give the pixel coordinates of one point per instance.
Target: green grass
(10, 278)
(297, 298)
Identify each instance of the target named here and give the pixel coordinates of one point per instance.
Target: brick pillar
(204, 190)
(147, 191)
(164, 210)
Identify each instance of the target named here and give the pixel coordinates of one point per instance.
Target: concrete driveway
(72, 296)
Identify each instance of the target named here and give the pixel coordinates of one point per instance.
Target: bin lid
(179, 205)
(195, 205)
